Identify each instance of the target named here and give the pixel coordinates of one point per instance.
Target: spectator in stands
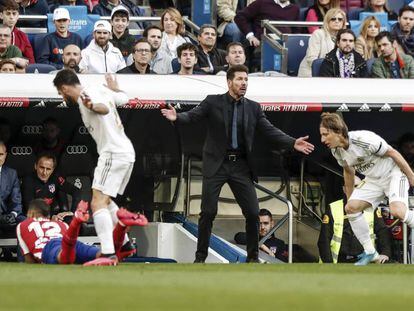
(210, 59)
(365, 43)
(9, 51)
(391, 64)
(52, 45)
(380, 6)
(100, 55)
(249, 19)
(105, 7)
(71, 58)
(344, 61)
(161, 61)
(51, 141)
(7, 66)
(142, 57)
(54, 4)
(187, 57)
(48, 185)
(32, 7)
(10, 15)
(317, 12)
(235, 55)
(322, 40)
(173, 28)
(10, 197)
(228, 29)
(406, 148)
(404, 30)
(120, 34)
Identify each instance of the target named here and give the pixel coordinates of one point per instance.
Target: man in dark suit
(227, 154)
(10, 197)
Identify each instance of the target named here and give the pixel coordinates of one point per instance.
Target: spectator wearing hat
(120, 34)
(105, 7)
(101, 56)
(52, 45)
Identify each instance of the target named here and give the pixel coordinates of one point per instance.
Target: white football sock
(103, 226)
(409, 218)
(113, 208)
(360, 228)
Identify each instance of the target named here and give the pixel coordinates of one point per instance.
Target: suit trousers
(238, 176)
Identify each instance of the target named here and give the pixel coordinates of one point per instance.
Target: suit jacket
(213, 108)
(10, 195)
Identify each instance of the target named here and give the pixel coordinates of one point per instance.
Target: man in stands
(32, 7)
(105, 7)
(344, 61)
(142, 57)
(249, 19)
(9, 51)
(404, 30)
(7, 66)
(10, 15)
(43, 240)
(391, 64)
(52, 45)
(10, 197)
(210, 59)
(187, 57)
(49, 186)
(100, 56)
(235, 55)
(120, 34)
(160, 62)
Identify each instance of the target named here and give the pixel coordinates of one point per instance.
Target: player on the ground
(97, 105)
(386, 174)
(43, 240)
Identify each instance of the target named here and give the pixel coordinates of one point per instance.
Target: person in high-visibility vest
(337, 243)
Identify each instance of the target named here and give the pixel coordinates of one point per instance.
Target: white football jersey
(366, 154)
(107, 130)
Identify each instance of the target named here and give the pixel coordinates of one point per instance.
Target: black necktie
(234, 143)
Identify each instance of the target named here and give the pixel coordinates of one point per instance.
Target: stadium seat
(40, 68)
(297, 46)
(175, 65)
(22, 159)
(396, 5)
(316, 66)
(37, 42)
(302, 13)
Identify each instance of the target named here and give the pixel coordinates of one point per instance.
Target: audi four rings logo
(83, 130)
(21, 150)
(77, 149)
(32, 129)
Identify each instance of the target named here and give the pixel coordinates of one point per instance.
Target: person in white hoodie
(100, 56)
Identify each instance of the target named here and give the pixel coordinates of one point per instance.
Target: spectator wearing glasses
(322, 40)
(142, 57)
(53, 44)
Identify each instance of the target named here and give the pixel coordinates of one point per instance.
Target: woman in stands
(380, 6)
(322, 40)
(365, 43)
(317, 12)
(173, 28)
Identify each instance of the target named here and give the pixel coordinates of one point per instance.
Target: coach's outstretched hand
(169, 113)
(303, 146)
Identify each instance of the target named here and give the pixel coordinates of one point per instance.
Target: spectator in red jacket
(10, 15)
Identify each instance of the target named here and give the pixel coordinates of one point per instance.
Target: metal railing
(288, 217)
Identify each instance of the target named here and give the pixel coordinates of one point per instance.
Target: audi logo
(21, 150)
(83, 130)
(76, 149)
(32, 129)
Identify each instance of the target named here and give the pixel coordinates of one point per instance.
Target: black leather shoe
(199, 260)
(252, 260)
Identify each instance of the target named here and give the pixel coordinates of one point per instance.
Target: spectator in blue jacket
(105, 7)
(32, 7)
(10, 197)
(52, 45)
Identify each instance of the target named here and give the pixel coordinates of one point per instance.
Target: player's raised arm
(121, 98)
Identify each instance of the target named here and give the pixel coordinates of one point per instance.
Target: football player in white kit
(97, 106)
(386, 173)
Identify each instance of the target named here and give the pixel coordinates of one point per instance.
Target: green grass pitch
(206, 287)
